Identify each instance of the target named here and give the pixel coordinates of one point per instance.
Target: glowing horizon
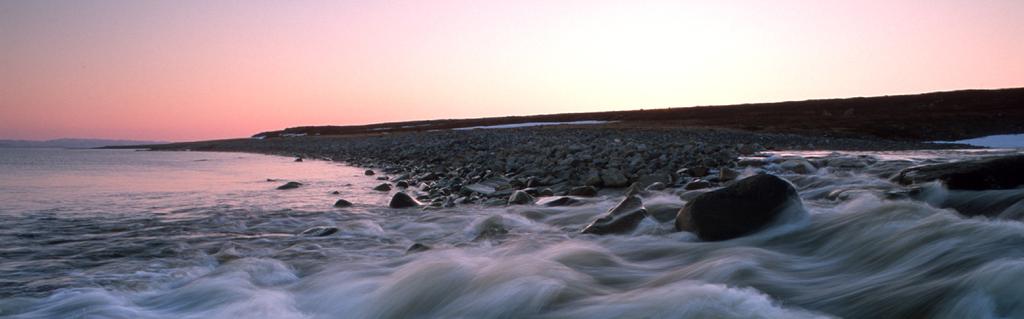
(187, 70)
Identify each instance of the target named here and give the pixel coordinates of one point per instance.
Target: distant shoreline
(937, 116)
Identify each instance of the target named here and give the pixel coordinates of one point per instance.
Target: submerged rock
(319, 231)
(981, 174)
(799, 166)
(417, 247)
(520, 197)
(560, 201)
(342, 203)
(663, 212)
(622, 218)
(298, 159)
(383, 187)
(656, 186)
(403, 200)
(697, 184)
(290, 185)
(737, 210)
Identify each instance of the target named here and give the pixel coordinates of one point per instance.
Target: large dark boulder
(737, 210)
(622, 218)
(980, 174)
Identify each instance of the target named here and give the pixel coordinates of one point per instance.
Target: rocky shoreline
(499, 167)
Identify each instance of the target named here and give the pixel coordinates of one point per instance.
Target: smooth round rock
(342, 203)
(737, 210)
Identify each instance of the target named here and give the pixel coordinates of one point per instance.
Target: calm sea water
(125, 234)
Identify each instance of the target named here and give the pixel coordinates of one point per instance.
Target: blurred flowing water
(124, 234)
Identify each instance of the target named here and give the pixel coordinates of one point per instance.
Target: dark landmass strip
(71, 143)
(953, 115)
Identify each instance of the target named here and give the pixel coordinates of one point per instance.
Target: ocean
(135, 234)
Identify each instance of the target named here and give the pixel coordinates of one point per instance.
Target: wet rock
(697, 184)
(403, 200)
(663, 212)
(981, 174)
(342, 203)
(584, 191)
(490, 227)
(754, 162)
(335, 193)
(843, 194)
(748, 149)
(402, 184)
(726, 174)
(646, 180)
(799, 166)
(369, 172)
(695, 171)
(560, 201)
(634, 189)
(656, 186)
(382, 178)
(298, 159)
(546, 192)
(520, 197)
(383, 187)
(290, 185)
(849, 162)
(490, 187)
(319, 231)
(622, 218)
(613, 178)
(737, 210)
(417, 247)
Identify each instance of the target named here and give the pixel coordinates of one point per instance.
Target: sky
(187, 70)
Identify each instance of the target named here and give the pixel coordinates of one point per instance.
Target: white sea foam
(233, 250)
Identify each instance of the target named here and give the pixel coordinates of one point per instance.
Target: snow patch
(994, 141)
(530, 124)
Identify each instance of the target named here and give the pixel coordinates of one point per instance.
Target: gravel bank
(445, 168)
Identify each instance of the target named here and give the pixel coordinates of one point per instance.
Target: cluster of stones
(500, 168)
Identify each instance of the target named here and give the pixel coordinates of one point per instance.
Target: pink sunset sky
(186, 70)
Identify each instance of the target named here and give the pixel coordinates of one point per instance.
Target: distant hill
(71, 143)
(952, 115)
